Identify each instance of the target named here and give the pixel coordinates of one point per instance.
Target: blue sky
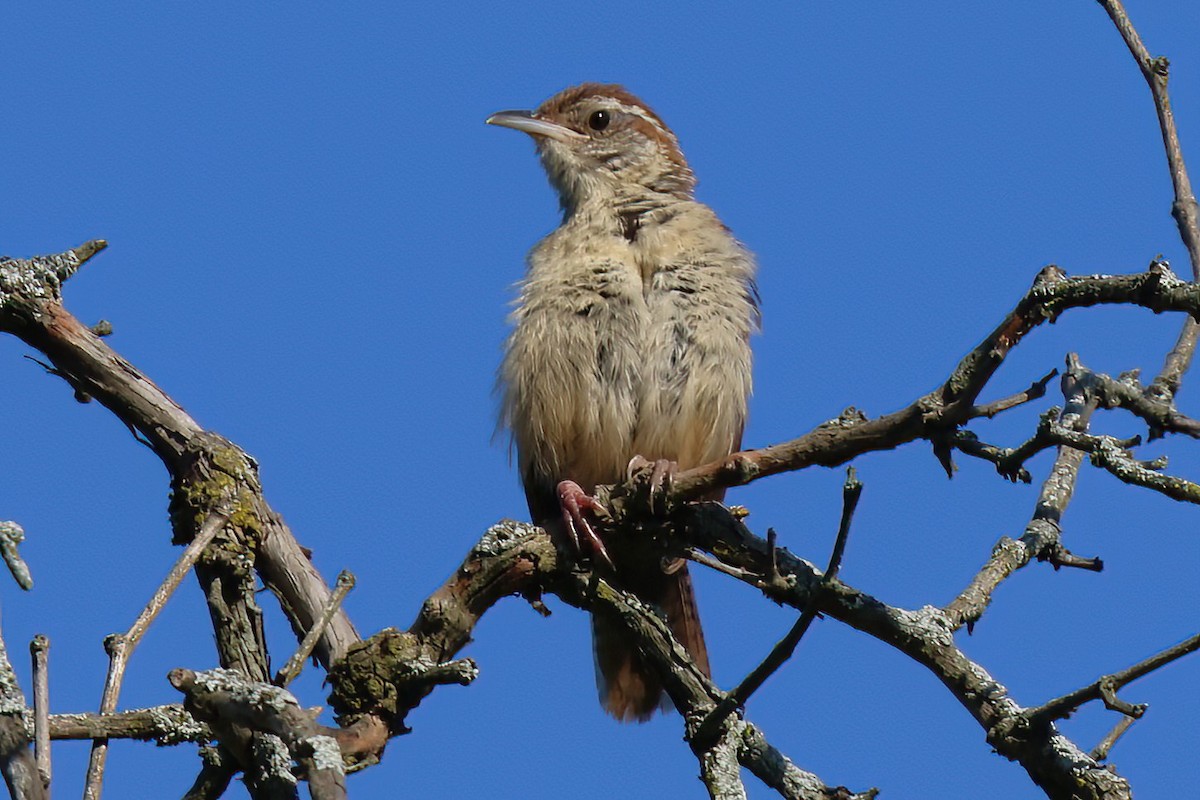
(313, 241)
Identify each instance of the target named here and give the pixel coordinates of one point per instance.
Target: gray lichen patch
(504, 535)
(176, 726)
(270, 751)
(255, 695)
(326, 755)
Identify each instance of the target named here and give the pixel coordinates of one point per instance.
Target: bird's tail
(629, 688)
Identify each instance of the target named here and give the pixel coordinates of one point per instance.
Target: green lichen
(381, 675)
(223, 479)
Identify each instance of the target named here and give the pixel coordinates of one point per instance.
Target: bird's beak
(527, 122)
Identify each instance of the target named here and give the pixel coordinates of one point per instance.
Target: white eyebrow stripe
(640, 113)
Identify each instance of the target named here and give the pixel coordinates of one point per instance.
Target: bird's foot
(658, 482)
(574, 502)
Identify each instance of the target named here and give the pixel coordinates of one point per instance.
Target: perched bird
(630, 339)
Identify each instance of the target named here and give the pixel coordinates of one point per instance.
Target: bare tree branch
(16, 761)
(213, 780)
(1100, 752)
(925, 635)
(39, 651)
(261, 729)
(121, 646)
(290, 670)
(1042, 534)
(1035, 391)
(838, 441)
(1061, 707)
(786, 647)
(1156, 72)
(30, 309)
(163, 725)
(221, 697)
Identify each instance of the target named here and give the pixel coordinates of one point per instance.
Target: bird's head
(599, 141)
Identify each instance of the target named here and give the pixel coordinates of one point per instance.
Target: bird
(629, 344)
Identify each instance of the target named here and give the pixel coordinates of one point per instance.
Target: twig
(1100, 752)
(42, 276)
(1058, 556)
(164, 725)
(694, 694)
(701, 557)
(1176, 364)
(1042, 533)
(1156, 71)
(39, 650)
(121, 646)
(1105, 686)
(11, 535)
(345, 582)
(1158, 413)
(16, 760)
(1052, 760)
(1036, 390)
(778, 772)
(785, 647)
(772, 544)
(838, 441)
(1011, 461)
(968, 443)
(1108, 693)
(1111, 455)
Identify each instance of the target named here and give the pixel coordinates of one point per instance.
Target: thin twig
(1176, 364)
(1058, 556)
(968, 443)
(39, 650)
(772, 544)
(17, 763)
(345, 582)
(1042, 533)
(785, 647)
(1036, 390)
(1127, 393)
(121, 646)
(840, 440)
(1101, 751)
(1108, 684)
(1108, 693)
(701, 557)
(1156, 71)
(1111, 455)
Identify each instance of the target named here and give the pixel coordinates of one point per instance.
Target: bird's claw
(574, 501)
(658, 487)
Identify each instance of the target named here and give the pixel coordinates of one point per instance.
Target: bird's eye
(599, 120)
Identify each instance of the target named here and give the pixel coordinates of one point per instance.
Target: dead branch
(224, 698)
(1106, 686)
(950, 405)
(17, 763)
